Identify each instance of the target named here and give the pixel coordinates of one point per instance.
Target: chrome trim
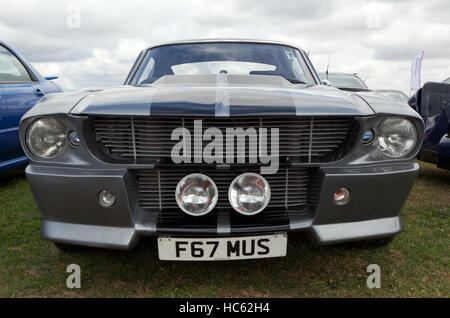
(310, 139)
(222, 97)
(133, 140)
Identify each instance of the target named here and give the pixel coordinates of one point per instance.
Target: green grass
(414, 265)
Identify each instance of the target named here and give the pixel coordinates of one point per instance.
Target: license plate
(223, 248)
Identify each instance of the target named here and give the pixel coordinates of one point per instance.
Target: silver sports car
(220, 148)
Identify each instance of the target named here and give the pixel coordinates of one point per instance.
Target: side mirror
(49, 78)
(326, 82)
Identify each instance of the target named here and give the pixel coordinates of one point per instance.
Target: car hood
(222, 95)
(387, 106)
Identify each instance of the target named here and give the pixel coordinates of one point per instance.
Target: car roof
(218, 40)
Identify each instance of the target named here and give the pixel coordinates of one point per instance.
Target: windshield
(343, 80)
(229, 58)
(447, 81)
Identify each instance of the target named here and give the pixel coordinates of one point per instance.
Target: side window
(11, 69)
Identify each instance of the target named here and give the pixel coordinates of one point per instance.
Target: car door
(21, 91)
(3, 144)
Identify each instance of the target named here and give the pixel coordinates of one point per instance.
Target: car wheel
(373, 242)
(69, 247)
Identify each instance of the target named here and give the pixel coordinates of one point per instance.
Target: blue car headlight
(396, 137)
(46, 138)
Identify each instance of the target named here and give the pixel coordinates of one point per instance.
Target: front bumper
(68, 201)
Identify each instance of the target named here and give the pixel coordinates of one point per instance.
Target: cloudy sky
(94, 43)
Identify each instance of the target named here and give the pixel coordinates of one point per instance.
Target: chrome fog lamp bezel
(74, 138)
(236, 206)
(371, 136)
(381, 135)
(106, 193)
(342, 196)
(62, 138)
(178, 193)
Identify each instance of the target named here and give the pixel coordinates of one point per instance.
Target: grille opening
(147, 140)
(293, 195)
(289, 187)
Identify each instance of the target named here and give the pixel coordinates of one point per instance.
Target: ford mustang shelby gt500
(219, 148)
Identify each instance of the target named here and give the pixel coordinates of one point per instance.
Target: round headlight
(196, 194)
(396, 137)
(46, 138)
(249, 193)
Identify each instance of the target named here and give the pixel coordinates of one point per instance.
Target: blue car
(21, 87)
(432, 102)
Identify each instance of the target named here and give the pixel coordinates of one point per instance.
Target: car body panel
(444, 152)
(3, 126)
(435, 147)
(16, 99)
(58, 103)
(260, 96)
(394, 94)
(385, 105)
(121, 226)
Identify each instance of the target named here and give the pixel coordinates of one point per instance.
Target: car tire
(373, 242)
(69, 247)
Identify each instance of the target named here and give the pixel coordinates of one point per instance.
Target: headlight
(396, 137)
(196, 194)
(46, 138)
(249, 193)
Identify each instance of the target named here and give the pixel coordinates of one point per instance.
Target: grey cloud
(368, 37)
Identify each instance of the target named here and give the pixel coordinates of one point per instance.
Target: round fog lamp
(341, 196)
(196, 194)
(106, 198)
(249, 193)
